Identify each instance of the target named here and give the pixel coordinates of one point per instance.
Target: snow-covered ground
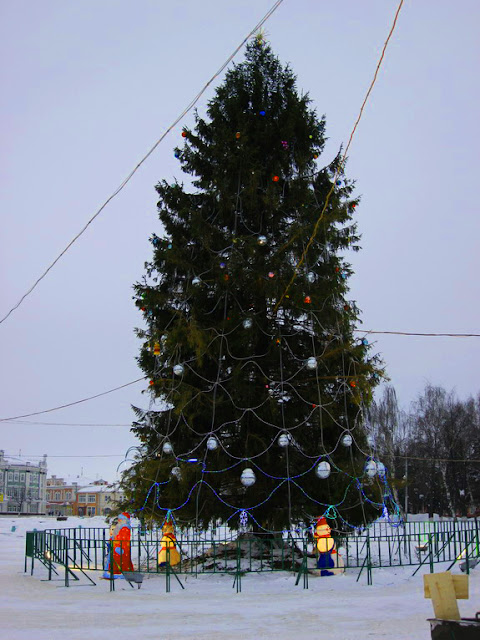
(269, 606)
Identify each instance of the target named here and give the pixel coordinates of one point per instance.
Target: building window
(92, 498)
(57, 495)
(68, 495)
(10, 475)
(22, 477)
(82, 497)
(90, 511)
(15, 477)
(12, 508)
(48, 495)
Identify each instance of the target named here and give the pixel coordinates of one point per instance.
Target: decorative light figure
(247, 323)
(177, 473)
(167, 447)
(248, 477)
(347, 440)
(212, 443)
(262, 240)
(311, 363)
(371, 468)
(381, 470)
(311, 276)
(283, 440)
(323, 469)
(178, 369)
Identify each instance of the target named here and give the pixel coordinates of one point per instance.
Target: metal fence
(69, 553)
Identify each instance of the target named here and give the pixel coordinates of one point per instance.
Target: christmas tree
(258, 384)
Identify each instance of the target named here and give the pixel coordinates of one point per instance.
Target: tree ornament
(196, 281)
(285, 144)
(226, 277)
(370, 441)
(248, 477)
(365, 342)
(167, 447)
(184, 134)
(156, 349)
(163, 338)
(151, 383)
(338, 183)
(222, 265)
(178, 369)
(347, 440)
(276, 178)
(315, 156)
(371, 469)
(237, 135)
(307, 300)
(176, 473)
(353, 384)
(261, 113)
(262, 240)
(247, 323)
(177, 154)
(271, 274)
(323, 469)
(212, 443)
(311, 276)
(311, 363)
(381, 470)
(169, 245)
(283, 440)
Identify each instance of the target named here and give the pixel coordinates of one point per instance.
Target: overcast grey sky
(87, 88)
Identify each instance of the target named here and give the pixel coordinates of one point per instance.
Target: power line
(411, 333)
(146, 156)
(101, 455)
(65, 424)
(341, 164)
(70, 404)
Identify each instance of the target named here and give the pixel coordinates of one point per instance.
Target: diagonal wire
(145, 157)
(339, 167)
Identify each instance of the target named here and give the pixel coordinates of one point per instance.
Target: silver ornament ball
(248, 477)
(323, 469)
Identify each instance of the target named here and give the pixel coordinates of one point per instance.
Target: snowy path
(269, 606)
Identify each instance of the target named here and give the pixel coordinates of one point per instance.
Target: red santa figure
(329, 562)
(118, 557)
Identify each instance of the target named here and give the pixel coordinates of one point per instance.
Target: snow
(269, 605)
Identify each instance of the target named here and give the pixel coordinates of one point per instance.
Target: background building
(22, 486)
(62, 494)
(97, 499)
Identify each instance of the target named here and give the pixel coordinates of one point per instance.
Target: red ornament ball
(151, 383)
(353, 384)
(237, 135)
(307, 300)
(276, 178)
(184, 134)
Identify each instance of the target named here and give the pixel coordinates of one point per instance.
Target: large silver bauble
(248, 477)
(323, 469)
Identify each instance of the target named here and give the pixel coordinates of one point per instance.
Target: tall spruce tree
(240, 363)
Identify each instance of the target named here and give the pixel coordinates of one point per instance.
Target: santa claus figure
(168, 552)
(118, 557)
(329, 562)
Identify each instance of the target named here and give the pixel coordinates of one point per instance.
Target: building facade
(97, 499)
(22, 486)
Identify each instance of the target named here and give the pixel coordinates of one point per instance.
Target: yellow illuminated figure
(329, 562)
(168, 552)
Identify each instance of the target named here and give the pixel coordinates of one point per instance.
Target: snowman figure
(329, 562)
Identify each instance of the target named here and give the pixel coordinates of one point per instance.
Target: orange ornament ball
(307, 300)
(151, 383)
(237, 135)
(353, 384)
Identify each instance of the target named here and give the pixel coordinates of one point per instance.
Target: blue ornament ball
(261, 113)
